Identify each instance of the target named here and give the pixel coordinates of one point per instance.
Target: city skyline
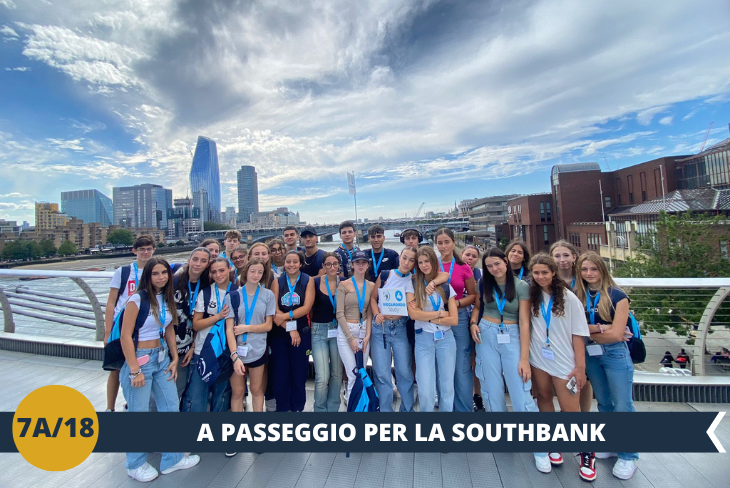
(434, 103)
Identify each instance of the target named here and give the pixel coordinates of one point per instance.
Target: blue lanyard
(360, 299)
(136, 272)
(591, 307)
(163, 317)
(399, 274)
(500, 306)
(275, 268)
(349, 253)
(248, 312)
(522, 271)
(193, 298)
(547, 314)
(219, 304)
(291, 292)
(572, 284)
(333, 300)
(376, 265)
(451, 270)
(436, 304)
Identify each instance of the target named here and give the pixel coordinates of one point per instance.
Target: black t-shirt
(313, 264)
(322, 310)
(616, 294)
(388, 258)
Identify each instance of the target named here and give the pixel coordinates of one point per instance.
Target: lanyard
(349, 253)
(451, 270)
(219, 304)
(136, 272)
(291, 292)
(333, 300)
(399, 274)
(360, 299)
(436, 304)
(163, 317)
(572, 284)
(547, 314)
(193, 298)
(522, 271)
(500, 306)
(275, 268)
(248, 312)
(591, 307)
(376, 265)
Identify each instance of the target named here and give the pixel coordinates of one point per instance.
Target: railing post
(704, 327)
(98, 311)
(8, 323)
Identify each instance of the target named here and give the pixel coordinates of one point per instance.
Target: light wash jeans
(431, 355)
(197, 392)
(348, 357)
(138, 398)
(463, 374)
(327, 369)
(395, 340)
(612, 377)
(496, 364)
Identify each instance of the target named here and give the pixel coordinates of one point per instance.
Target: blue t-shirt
(616, 294)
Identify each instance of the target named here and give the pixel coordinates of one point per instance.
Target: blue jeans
(138, 398)
(395, 340)
(430, 355)
(327, 369)
(612, 377)
(196, 394)
(496, 364)
(463, 374)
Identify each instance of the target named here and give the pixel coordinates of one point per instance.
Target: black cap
(402, 239)
(308, 230)
(357, 255)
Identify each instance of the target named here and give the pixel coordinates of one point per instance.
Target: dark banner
(394, 432)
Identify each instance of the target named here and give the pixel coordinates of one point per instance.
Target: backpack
(113, 357)
(384, 275)
(126, 270)
(636, 343)
(364, 397)
(214, 366)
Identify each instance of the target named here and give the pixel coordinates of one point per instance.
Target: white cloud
(666, 120)
(9, 4)
(646, 116)
(14, 194)
(74, 144)
(8, 32)
(19, 68)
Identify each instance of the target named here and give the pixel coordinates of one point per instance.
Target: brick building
(531, 219)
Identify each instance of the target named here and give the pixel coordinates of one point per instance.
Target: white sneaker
(144, 473)
(185, 463)
(271, 405)
(231, 454)
(542, 463)
(624, 469)
(606, 455)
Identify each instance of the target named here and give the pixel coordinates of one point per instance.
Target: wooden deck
(22, 373)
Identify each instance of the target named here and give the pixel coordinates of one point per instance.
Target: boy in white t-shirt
(119, 293)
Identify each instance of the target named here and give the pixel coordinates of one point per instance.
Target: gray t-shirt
(256, 341)
(511, 309)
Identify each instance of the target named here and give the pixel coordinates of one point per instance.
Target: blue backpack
(214, 364)
(363, 397)
(113, 357)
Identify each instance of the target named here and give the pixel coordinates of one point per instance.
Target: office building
(183, 218)
(10, 227)
(91, 206)
(48, 216)
(530, 218)
(141, 206)
(280, 217)
(248, 193)
(205, 180)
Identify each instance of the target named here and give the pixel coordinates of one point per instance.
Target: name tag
(161, 356)
(594, 350)
(331, 333)
(392, 301)
(548, 354)
(438, 335)
(503, 338)
(291, 325)
(363, 332)
(243, 350)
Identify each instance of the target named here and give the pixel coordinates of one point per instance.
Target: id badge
(291, 325)
(594, 350)
(243, 350)
(363, 332)
(438, 335)
(548, 354)
(161, 356)
(331, 333)
(503, 338)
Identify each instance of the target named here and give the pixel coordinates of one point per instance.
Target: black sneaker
(478, 404)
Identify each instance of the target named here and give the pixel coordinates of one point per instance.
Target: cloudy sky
(427, 101)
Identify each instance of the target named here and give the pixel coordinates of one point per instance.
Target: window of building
(642, 180)
(548, 212)
(630, 184)
(619, 199)
(542, 211)
(545, 236)
(607, 202)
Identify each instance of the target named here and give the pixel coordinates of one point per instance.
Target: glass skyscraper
(142, 206)
(205, 175)
(248, 193)
(88, 205)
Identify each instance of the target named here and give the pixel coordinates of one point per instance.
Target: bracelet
(134, 375)
(600, 328)
(458, 303)
(238, 358)
(234, 353)
(473, 324)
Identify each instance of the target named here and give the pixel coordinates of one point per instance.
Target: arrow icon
(711, 432)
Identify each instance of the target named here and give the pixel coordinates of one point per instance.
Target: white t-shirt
(428, 307)
(126, 290)
(150, 330)
(394, 281)
(212, 309)
(562, 330)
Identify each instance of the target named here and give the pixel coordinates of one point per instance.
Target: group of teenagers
(554, 325)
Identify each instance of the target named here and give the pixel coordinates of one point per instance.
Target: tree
(503, 243)
(180, 243)
(34, 250)
(161, 244)
(17, 249)
(681, 246)
(47, 248)
(216, 226)
(67, 248)
(124, 237)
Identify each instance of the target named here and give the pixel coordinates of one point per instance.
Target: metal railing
(704, 312)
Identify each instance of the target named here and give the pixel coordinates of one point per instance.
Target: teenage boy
(123, 285)
(291, 236)
(411, 238)
(347, 248)
(380, 258)
(231, 242)
(313, 256)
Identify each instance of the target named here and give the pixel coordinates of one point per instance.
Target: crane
(706, 134)
(418, 212)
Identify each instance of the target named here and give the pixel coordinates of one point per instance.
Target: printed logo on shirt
(178, 296)
(290, 299)
(131, 287)
(213, 305)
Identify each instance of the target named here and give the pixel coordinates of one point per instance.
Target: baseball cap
(358, 255)
(308, 230)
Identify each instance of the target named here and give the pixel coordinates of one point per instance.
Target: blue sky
(426, 101)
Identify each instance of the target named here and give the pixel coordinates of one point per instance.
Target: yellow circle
(55, 428)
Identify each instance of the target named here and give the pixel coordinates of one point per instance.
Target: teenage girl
(238, 258)
(470, 255)
(278, 248)
(519, 256)
(148, 348)
(261, 251)
(212, 245)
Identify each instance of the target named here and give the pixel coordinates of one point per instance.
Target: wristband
(234, 353)
(473, 324)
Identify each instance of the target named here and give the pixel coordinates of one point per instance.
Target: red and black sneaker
(587, 469)
(556, 459)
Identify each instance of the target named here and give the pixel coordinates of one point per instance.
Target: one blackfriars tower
(248, 193)
(205, 180)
